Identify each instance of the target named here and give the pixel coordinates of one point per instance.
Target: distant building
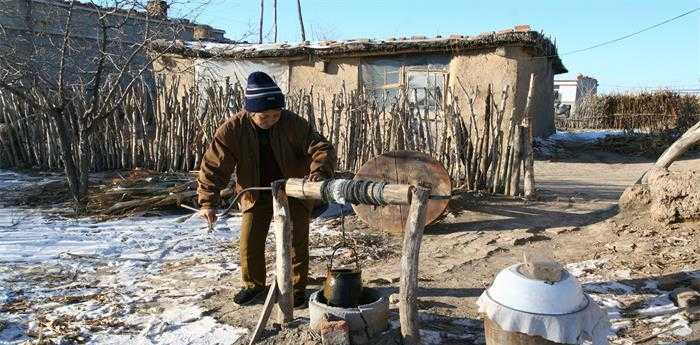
(424, 66)
(568, 93)
(31, 31)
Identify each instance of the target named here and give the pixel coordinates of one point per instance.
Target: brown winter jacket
(298, 149)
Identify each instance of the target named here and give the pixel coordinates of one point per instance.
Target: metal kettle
(343, 286)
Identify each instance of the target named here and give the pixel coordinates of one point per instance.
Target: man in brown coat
(262, 144)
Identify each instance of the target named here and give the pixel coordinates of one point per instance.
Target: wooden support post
(528, 155)
(408, 287)
(283, 252)
(516, 161)
(270, 301)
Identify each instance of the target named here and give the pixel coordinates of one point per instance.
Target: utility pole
(262, 12)
(301, 21)
(274, 10)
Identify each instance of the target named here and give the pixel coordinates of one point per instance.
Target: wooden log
(394, 194)
(528, 164)
(690, 138)
(516, 161)
(506, 150)
(486, 142)
(683, 144)
(283, 252)
(408, 286)
(528, 156)
(272, 296)
(497, 336)
(160, 200)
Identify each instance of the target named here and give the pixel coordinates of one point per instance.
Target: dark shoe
(300, 299)
(246, 295)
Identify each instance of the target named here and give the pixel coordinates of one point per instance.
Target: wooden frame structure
(280, 293)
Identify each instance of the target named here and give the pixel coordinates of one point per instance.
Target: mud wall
(506, 66)
(543, 97)
(327, 77)
(474, 71)
(174, 69)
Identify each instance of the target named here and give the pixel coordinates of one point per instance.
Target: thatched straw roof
(519, 36)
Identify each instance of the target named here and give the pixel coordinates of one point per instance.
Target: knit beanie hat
(262, 93)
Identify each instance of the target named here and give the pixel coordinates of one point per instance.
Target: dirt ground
(183, 280)
(622, 259)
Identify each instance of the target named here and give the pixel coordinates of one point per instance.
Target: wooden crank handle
(394, 194)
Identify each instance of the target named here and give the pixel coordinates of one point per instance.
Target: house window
(426, 86)
(423, 77)
(382, 78)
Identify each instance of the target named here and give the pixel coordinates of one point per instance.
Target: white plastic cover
(516, 291)
(217, 70)
(558, 312)
(590, 323)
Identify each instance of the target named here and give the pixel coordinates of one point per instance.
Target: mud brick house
(422, 65)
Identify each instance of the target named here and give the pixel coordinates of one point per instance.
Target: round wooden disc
(404, 167)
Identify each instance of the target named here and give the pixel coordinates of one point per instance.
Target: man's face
(266, 119)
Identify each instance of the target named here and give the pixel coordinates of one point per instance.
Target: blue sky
(667, 56)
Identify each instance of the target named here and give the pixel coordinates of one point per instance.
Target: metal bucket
(343, 286)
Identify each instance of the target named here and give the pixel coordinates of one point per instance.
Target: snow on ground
(628, 305)
(585, 136)
(135, 280)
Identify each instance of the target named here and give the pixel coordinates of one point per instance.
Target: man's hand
(316, 177)
(209, 215)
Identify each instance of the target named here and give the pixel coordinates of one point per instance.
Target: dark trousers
(254, 228)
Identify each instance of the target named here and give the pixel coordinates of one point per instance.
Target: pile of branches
(655, 111)
(139, 191)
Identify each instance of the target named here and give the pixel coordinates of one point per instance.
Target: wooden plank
(406, 168)
(283, 252)
(270, 301)
(408, 286)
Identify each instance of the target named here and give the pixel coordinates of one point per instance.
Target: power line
(632, 34)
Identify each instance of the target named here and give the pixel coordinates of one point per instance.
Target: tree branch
(100, 68)
(64, 46)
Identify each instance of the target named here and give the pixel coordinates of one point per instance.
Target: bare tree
(321, 32)
(77, 75)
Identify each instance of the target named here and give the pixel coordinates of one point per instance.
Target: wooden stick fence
(168, 127)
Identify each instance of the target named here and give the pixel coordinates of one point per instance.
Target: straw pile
(649, 111)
